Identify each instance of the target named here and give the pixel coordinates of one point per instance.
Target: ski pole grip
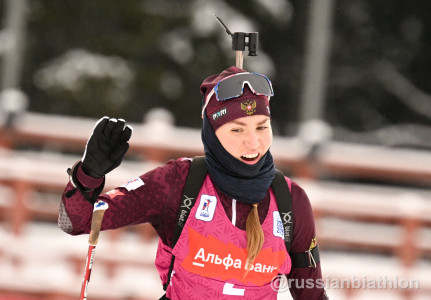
(96, 221)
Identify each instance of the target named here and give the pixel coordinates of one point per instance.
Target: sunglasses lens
(232, 87)
(229, 88)
(261, 85)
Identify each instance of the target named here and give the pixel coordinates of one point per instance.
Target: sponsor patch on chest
(278, 229)
(206, 208)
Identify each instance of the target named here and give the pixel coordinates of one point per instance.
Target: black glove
(106, 147)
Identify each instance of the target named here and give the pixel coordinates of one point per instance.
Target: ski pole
(96, 222)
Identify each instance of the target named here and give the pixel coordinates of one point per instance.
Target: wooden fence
(395, 204)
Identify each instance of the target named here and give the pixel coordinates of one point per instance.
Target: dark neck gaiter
(238, 180)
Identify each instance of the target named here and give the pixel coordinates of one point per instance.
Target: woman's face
(247, 138)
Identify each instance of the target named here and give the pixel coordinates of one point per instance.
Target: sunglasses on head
(233, 86)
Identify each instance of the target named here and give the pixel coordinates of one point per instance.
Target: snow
(43, 258)
(40, 259)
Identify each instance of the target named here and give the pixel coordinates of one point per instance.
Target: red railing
(396, 207)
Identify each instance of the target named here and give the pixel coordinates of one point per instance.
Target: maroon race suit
(157, 200)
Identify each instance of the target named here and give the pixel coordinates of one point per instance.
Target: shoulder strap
(309, 258)
(284, 203)
(194, 182)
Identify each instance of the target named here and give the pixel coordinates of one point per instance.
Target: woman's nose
(252, 141)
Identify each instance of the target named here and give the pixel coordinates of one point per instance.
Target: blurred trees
(122, 58)
(373, 42)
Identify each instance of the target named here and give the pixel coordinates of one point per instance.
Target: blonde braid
(255, 236)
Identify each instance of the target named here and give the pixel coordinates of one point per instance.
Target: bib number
(228, 289)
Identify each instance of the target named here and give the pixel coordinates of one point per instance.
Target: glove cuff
(86, 180)
(90, 194)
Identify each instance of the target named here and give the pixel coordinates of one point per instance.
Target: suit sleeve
(147, 198)
(304, 283)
